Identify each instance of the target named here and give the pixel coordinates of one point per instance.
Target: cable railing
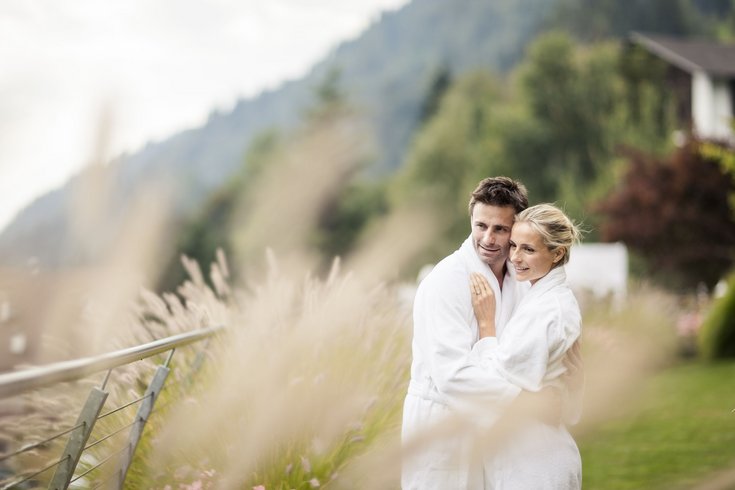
(66, 464)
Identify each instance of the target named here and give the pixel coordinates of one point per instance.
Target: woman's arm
(544, 405)
(483, 302)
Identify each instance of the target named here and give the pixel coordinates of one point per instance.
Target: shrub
(717, 337)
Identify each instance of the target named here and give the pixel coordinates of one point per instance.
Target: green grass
(684, 430)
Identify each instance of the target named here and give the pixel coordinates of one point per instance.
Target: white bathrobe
(529, 353)
(453, 373)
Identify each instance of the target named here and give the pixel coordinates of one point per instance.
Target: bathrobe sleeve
(443, 312)
(532, 348)
(529, 338)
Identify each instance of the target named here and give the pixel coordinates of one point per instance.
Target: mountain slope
(386, 72)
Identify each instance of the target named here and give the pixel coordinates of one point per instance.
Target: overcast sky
(158, 66)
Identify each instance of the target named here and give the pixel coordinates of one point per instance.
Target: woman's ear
(558, 255)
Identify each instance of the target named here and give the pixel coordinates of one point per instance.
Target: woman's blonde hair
(557, 231)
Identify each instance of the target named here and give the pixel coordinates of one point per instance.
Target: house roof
(690, 55)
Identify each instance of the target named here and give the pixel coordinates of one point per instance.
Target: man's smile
(489, 249)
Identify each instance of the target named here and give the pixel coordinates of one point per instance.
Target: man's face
(491, 226)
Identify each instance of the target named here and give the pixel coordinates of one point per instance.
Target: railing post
(78, 439)
(144, 411)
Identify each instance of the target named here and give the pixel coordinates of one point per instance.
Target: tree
(453, 151)
(438, 86)
(211, 228)
(675, 213)
(717, 337)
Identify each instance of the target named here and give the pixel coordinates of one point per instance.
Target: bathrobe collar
(469, 255)
(556, 277)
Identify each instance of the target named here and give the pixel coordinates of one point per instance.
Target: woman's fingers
(480, 284)
(476, 285)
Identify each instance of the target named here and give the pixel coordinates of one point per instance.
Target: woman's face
(528, 254)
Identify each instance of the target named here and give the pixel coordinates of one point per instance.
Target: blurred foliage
(556, 125)
(717, 336)
(557, 121)
(451, 154)
(440, 82)
(675, 212)
(341, 219)
(593, 20)
(203, 234)
(349, 213)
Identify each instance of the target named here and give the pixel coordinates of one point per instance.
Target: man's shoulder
(450, 265)
(449, 272)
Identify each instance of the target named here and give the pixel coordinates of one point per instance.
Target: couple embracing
(494, 324)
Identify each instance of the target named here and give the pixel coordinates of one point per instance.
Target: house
(702, 75)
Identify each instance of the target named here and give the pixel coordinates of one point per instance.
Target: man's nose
(489, 237)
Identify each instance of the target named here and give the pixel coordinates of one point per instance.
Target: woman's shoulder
(558, 305)
(447, 273)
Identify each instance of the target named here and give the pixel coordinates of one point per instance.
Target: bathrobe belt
(425, 389)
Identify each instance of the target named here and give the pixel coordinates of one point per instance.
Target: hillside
(385, 72)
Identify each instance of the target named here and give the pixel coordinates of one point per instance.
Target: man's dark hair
(500, 191)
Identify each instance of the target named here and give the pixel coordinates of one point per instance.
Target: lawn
(683, 430)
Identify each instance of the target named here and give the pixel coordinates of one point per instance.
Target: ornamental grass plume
(310, 373)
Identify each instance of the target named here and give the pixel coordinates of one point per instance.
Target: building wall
(600, 269)
(712, 107)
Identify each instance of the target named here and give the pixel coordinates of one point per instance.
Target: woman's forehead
(523, 231)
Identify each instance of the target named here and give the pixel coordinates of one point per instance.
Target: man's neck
(499, 272)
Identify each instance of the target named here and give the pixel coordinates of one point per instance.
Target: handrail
(14, 383)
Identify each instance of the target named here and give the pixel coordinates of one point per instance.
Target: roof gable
(690, 55)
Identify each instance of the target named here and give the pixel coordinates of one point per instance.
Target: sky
(150, 68)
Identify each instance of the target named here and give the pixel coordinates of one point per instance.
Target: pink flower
(314, 483)
(259, 487)
(688, 324)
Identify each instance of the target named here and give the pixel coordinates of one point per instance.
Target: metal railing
(16, 383)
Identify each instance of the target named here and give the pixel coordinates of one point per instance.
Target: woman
(530, 353)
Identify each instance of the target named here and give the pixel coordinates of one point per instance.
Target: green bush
(717, 337)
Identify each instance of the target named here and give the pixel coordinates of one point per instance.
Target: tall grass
(305, 387)
(310, 373)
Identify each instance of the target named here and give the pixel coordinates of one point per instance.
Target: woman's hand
(483, 302)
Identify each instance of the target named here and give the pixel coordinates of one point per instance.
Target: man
(447, 376)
